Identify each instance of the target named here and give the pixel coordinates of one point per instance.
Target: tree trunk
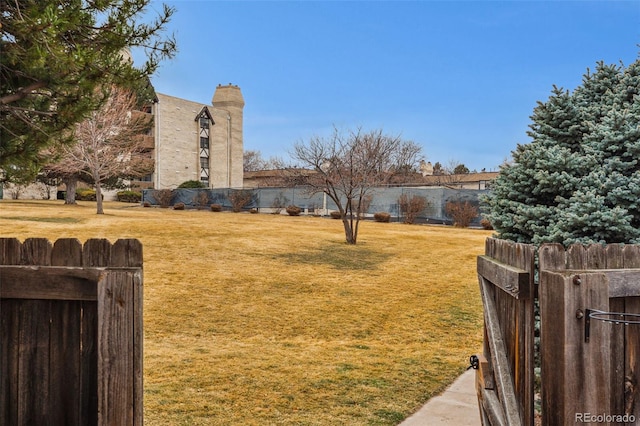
(100, 209)
(70, 183)
(348, 231)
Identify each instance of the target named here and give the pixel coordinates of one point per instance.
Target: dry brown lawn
(274, 320)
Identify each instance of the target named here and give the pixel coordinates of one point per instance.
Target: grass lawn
(256, 319)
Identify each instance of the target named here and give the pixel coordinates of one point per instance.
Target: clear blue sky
(460, 78)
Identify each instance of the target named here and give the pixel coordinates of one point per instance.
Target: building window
(204, 122)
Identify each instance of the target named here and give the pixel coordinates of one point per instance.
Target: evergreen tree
(579, 178)
(53, 56)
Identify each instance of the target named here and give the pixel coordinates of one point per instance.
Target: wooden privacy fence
(71, 323)
(589, 303)
(505, 376)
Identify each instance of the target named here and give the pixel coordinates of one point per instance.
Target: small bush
(335, 215)
(146, 204)
(239, 198)
(293, 210)
(382, 217)
(216, 207)
(192, 184)
(486, 225)
(179, 206)
(411, 206)
(85, 194)
(129, 196)
(163, 197)
(462, 213)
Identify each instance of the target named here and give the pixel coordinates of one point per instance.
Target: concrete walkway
(456, 406)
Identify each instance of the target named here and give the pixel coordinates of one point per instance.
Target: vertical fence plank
(33, 368)
(551, 257)
(96, 252)
(66, 252)
(574, 373)
(89, 364)
(552, 336)
(126, 253)
(66, 340)
(10, 254)
(525, 377)
(576, 257)
(631, 256)
(138, 355)
(35, 342)
(115, 353)
(9, 335)
(594, 356)
(596, 257)
(614, 259)
(36, 251)
(65, 363)
(10, 251)
(632, 362)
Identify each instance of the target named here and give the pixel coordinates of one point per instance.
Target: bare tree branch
(109, 143)
(348, 167)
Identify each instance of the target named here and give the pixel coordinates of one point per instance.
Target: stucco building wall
(177, 140)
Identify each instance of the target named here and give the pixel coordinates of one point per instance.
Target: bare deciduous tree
(252, 161)
(349, 166)
(109, 143)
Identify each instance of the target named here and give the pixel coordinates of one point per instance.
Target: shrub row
(86, 194)
(129, 196)
(463, 213)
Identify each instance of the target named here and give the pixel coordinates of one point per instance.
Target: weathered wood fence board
(507, 288)
(588, 366)
(71, 318)
(601, 375)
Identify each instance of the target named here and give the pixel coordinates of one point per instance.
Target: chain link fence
(274, 200)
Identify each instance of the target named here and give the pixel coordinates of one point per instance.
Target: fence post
(575, 373)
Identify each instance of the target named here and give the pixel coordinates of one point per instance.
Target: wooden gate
(505, 376)
(589, 299)
(590, 363)
(71, 323)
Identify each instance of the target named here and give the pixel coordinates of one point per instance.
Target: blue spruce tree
(578, 181)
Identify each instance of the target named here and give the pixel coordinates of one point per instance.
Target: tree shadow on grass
(43, 219)
(339, 256)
